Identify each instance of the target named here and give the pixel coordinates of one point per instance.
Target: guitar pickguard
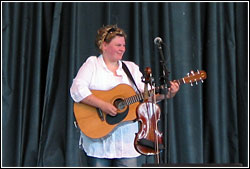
(118, 118)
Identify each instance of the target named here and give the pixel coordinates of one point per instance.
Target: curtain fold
(44, 45)
(51, 82)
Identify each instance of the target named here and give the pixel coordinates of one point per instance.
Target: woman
(104, 73)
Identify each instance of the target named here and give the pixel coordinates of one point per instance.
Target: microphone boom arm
(165, 73)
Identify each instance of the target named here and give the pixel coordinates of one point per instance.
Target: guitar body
(89, 121)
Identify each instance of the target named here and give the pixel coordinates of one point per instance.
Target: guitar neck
(193, 77)
(140, 96)
(181, 81)
(134, 99)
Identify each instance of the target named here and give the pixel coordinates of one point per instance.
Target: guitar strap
(126, 70)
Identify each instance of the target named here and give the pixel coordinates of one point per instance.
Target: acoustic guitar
(97, 124)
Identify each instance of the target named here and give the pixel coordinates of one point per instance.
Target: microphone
(158, 41)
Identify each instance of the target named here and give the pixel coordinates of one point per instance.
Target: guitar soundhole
(120, 116)
(119, 104)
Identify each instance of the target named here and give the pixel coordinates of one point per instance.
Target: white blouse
(94, 75)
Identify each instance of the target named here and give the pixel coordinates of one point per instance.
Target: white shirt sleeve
(80, 86)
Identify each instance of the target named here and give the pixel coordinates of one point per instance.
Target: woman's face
(115, 49)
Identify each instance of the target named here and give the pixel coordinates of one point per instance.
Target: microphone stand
(164, 80)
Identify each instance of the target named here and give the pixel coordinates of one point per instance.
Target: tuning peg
(198, 71)
(190, 81)
(196, 82)
(192, 72)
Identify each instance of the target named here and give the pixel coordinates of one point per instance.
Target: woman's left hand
(173, 89)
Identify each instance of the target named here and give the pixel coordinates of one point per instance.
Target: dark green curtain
(44, 45)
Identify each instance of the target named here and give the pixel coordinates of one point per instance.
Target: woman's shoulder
(92, 59)
(89, 62)
(132, 66)
(130, 63)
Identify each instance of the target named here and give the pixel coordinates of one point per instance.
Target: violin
(148, 140)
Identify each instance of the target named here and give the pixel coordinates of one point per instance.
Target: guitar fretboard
(140, 96)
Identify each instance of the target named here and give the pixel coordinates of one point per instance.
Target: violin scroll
(147, 78)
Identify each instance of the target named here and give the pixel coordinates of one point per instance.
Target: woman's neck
(110, 62)
(111, 65)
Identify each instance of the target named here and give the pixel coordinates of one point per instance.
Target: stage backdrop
(44, 45)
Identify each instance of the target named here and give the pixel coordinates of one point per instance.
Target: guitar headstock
(194, 77)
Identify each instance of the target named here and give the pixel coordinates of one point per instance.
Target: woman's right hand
(106, 107)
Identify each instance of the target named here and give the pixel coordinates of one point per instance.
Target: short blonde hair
(107, 33)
